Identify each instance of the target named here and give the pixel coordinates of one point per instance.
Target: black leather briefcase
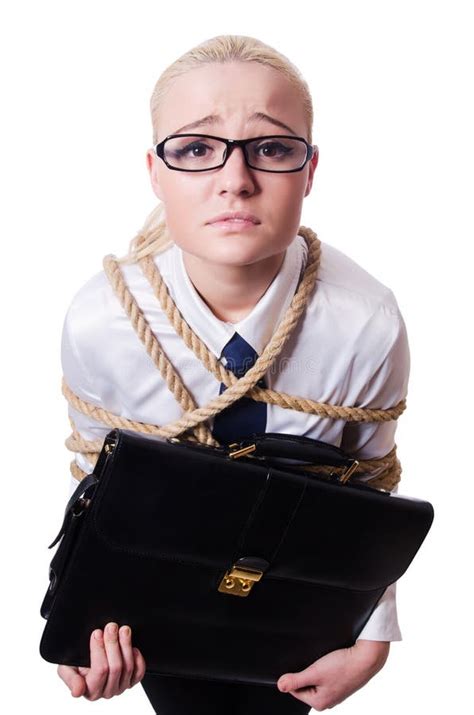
(228, 563)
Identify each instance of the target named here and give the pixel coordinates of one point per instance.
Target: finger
(310, 696)
(140, 667)
(128, 661)
(99, 670)
(75, 682)
(114, 658)
(294, 681)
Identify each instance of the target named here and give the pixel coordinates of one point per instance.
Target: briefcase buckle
(238, 581)
(346, 474)
(241, 452)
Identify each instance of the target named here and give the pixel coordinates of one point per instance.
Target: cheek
(183, 190)
(188, 205)
(288, 196)
(181, 197)
(288, 187)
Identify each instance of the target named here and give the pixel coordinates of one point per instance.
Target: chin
(237, 252)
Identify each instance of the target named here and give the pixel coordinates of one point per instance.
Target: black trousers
(170, 695)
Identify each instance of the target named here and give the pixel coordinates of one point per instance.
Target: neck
(231, 292)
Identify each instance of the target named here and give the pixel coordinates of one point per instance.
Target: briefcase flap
(163, 501)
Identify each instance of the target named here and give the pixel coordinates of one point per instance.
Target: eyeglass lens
(198, 152)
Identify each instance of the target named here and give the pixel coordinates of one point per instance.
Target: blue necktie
(245, 415)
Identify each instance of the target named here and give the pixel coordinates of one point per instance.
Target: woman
(225, 240)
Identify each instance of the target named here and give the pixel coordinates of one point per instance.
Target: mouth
(235, 218)
(235, 224)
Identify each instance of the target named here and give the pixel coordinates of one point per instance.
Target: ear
(152, 166)
(312, 168)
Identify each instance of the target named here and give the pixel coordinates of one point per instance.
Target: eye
(272, 149)
(193, 149)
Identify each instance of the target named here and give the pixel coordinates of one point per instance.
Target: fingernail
(125, 631)
(112, 629)
(98, 635)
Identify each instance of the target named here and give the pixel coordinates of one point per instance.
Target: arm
(387, 387)
(337, 675)
(115, 664)
(80, 381)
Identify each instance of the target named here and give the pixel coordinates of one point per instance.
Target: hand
(331, 679)
(115, 665)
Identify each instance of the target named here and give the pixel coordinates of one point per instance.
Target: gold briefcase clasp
(239, 581)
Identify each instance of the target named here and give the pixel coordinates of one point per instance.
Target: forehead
(230, 94)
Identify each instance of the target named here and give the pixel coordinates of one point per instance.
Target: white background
(392, 89)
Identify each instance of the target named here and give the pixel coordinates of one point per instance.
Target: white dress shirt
(349, 348)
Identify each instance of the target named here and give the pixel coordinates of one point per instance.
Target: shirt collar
(259, 325)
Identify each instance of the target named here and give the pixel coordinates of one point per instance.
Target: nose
(235, 176)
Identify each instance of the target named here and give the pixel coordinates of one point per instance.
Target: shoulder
(346, 281)
(356, 311)
(88, 312)
(95, 307)
(96, 325)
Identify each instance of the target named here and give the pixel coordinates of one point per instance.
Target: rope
(192, 423)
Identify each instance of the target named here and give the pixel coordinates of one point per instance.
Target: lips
(235, 217)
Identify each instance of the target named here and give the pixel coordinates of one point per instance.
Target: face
(232, 93)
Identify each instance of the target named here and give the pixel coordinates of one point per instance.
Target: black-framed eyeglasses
(204, 152)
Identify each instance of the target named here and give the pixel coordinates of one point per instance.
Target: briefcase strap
(76, 505)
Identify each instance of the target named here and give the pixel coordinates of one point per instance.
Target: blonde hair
(153, 237)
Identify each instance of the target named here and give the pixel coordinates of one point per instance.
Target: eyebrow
(212, 119)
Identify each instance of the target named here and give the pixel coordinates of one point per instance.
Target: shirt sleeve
(387, 386)
(81, 383)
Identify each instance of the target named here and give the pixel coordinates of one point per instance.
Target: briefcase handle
(287, 448)
(291, 447)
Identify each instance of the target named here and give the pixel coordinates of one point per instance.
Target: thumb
(73, 679)
(293, 681)
(77, 685)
